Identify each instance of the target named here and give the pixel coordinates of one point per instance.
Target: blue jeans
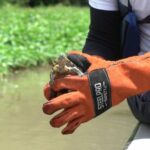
(140, 107)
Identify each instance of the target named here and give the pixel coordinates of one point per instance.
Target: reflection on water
(23, 125)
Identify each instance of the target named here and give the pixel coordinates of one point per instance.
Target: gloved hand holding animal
(101, 85)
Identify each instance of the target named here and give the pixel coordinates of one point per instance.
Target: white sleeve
(110, 5)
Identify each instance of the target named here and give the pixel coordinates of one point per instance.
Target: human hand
(81, 104)
(96, 91)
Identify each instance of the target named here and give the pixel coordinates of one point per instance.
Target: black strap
(101, 90)
(145, 20)
(124, 8)
(129, 6)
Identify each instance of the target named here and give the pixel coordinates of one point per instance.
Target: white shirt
(141, 9)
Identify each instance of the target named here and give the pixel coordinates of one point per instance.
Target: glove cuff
(100, 90)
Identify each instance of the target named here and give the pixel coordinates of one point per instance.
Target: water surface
(23, 126)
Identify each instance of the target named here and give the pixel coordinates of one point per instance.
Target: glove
(87, 62)
(49, 93)
(98, 90)
(83, 61)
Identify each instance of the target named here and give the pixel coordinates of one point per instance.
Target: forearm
(104, 34)
(129, 77)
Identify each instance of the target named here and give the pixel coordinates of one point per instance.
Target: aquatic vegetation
(31, 37)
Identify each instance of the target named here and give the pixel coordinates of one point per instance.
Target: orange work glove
(48, 93)
(87, 62)
(84, 62)
(97, 91)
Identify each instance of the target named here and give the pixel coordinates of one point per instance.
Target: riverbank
(32, 37)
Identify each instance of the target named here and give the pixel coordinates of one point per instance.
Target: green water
(23, 126)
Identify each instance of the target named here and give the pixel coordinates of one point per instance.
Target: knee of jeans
(140, 107)
(145, 96)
